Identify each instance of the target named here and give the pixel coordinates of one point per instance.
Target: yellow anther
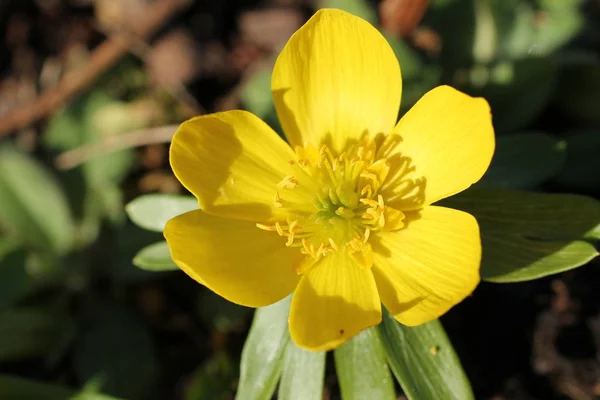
(355, 244)
(369, 202)
(381, 222)
(290, 239)
(326, 153)
(269, 228)
(367, 189)
(321, 249)
(366, 235)
(304, 163)
(333, 244)
(279, 229)
(277, 201)
(289, 182)
(305, 246)
(381, 168)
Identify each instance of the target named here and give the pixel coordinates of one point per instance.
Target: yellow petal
(446, 144)
(232, 162)
(429, 266)
(233, 258)
(335, 300)
(336, 78)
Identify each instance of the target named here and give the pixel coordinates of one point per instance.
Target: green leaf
(256, 97)
(29, 332)
(262, 357)
(17, 388)
(524, 160)
(360, 8)
(578, 91)
(14, 279)
(303, 374)
(256, 94)
(582, 166)
(115, 347)
(34, 207)
(362, 368)
(517, 90)
(525, 33)
(152, 211)
(418, 77)
(126, 242)
(94, 117)
(155, 257)
(423, 360)
(221, 314)
(529, 235)
(94, 187)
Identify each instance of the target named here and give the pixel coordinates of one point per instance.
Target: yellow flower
(343, 218)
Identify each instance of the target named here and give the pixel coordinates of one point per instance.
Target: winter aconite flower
(342, 216)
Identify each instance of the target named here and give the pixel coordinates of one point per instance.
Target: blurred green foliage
(75, 308)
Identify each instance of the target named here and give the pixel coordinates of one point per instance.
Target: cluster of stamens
(330, 203)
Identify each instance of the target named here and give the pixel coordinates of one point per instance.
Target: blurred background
(91, 92)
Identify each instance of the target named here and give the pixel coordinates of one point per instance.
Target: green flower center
(333, 203)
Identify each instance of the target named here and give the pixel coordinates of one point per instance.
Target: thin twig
(103, 57)
(73, 158)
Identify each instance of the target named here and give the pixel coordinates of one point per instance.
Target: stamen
(369, 202)
(290, 239)
(289, 182)
(367, 234)
(279, 229)
(338, 197)
(277, 203)
(269, 228)
(333, 245)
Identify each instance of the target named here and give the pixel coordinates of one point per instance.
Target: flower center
(333, 203)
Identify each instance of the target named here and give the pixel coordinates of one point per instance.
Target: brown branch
(103, 57)
(73, 158)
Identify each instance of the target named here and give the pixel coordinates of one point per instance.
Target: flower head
(342, 216)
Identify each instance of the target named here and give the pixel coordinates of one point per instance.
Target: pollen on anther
(367, 234)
